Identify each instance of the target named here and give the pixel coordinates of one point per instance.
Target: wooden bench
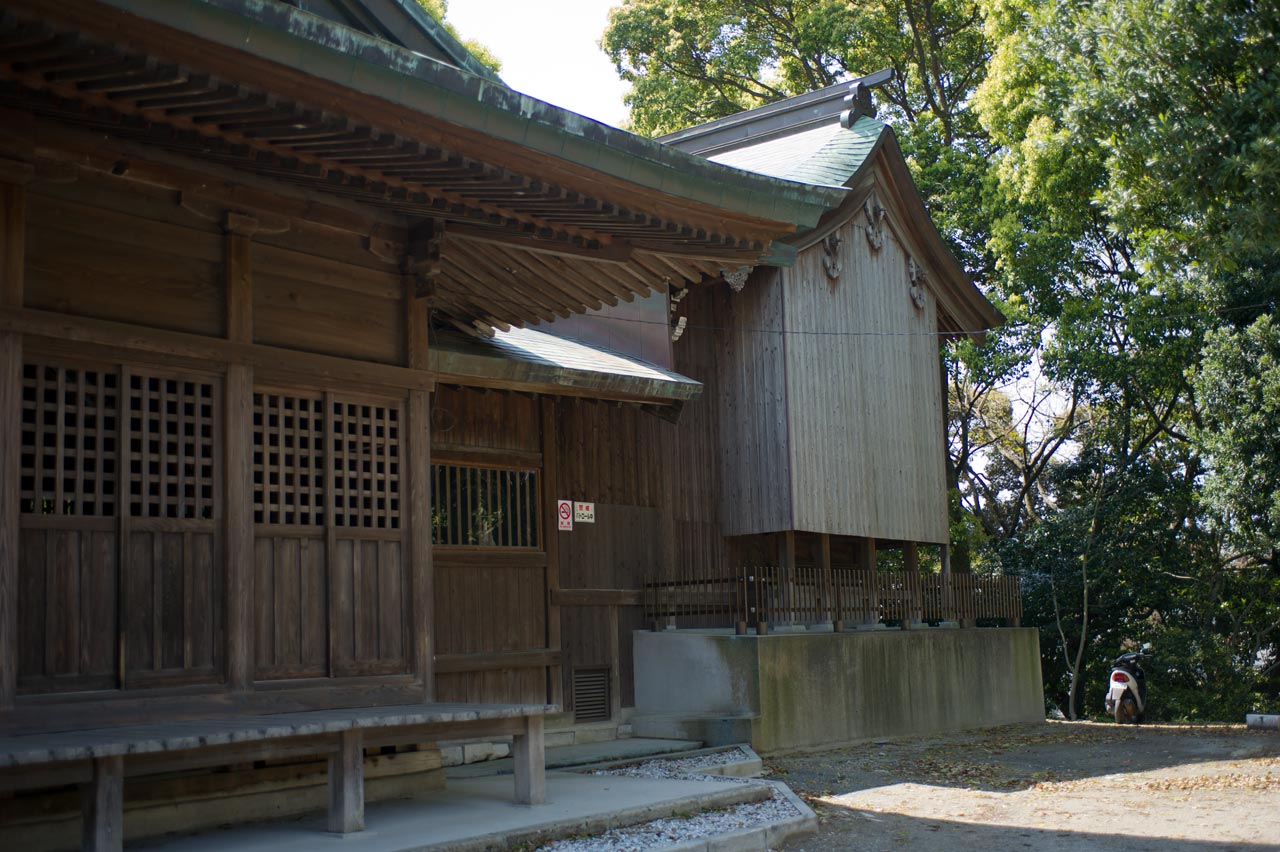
(97, 758)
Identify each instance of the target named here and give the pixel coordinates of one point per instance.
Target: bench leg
(530, 757)
(103, 807)
(346, 784)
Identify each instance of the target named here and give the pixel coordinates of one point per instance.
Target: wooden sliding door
(331, 591)
(120, 575)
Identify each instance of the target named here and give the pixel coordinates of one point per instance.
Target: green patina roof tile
(828, 155)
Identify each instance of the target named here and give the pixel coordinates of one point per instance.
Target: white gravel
(670, 831)
(679, 767)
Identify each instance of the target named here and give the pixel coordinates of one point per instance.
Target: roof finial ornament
(859, 97)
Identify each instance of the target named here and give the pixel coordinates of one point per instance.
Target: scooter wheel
(1126, 711)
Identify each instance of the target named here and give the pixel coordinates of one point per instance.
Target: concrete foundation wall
(812, 689)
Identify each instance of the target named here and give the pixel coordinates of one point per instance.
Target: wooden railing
(756, 597)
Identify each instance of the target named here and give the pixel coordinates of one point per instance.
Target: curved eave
(529, 360)
(418, 86)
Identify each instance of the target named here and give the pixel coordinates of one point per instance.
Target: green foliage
(438, 9)
(1109, 172)
(1238, 384)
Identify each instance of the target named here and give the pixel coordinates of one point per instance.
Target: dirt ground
(1057, 786)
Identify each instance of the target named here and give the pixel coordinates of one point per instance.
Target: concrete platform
(478, 815)
(583, 754)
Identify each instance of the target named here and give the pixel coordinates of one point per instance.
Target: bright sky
(549, 50)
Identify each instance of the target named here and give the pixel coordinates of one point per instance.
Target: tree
(438, 9)
(1139, 142)
(1107, 170)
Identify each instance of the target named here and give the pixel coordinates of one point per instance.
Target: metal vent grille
(591, 695)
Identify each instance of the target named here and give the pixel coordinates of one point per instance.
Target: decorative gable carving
(875, 222)
(736, 278)
(916, 279)
(831, 262)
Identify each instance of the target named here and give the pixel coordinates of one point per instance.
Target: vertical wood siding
(67, 609)
(489, 600)
(865, 413)
(752, 408)
(694, 446)
(290, 623)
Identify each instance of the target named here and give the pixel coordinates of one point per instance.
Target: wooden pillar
(551, 543)
(421, 565)
(529, 754)
(238, 429)
(948, 611)
(13, 231)
(911, 570)
(102, 807)
(346, 784)
(866, 550)
(787, 580)
(615, 666)
(826, 577)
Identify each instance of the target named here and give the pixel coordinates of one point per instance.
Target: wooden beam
(597, 597)
(619, 251)
(456, 454)
(346, 784)
(103, 807)
(13, 242)
(199, 184)
(530, 758)
(496, 661)
(313, 370)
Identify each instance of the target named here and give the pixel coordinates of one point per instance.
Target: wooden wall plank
(93, 262)
(751, 407)
(864, 396)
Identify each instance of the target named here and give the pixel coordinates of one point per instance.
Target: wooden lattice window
(172, 427)
(288, 459)
(366, 465)
(484, 506)
(69, 441)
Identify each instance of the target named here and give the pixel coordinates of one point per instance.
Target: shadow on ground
(871, 832)
(1018, 757)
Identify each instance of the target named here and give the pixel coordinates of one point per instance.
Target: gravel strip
(668, 832)
(682, 767)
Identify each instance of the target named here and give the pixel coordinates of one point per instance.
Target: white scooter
(1127, 692)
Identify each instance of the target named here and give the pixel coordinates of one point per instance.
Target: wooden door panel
(173, 606)
(290, 623)
(370, 607)
(67, 610)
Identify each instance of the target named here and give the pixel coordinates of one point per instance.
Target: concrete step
(712, 730)
(582, 754)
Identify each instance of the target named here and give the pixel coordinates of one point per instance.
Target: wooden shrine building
(307, 321)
